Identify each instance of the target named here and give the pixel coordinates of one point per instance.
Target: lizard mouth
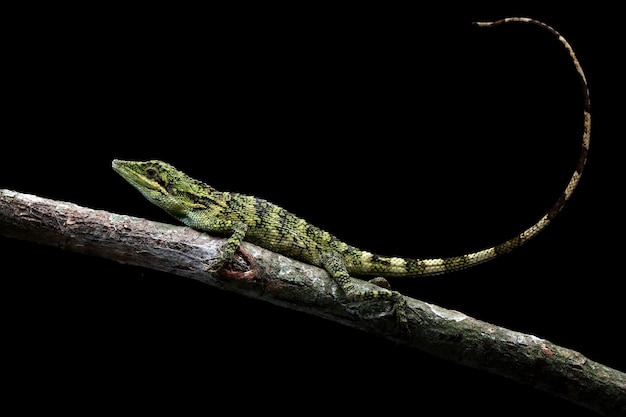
(122, 168)
(117, 165)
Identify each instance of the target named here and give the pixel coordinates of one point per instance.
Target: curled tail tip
(487, 23)
(507, 20)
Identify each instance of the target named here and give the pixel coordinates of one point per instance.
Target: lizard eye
(151, 172)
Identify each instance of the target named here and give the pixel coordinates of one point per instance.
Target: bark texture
(274, 278)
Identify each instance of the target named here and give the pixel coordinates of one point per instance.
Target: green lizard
(243, 217)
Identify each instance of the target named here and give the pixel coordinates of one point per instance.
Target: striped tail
(388, 266)
(438, 266)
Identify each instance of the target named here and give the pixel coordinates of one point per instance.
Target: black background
(403, 132)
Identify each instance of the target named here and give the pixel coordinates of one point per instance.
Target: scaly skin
(243, 217)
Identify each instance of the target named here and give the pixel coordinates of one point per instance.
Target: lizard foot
(241, 266)
(381, 282)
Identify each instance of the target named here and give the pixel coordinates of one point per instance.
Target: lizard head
(161, 184)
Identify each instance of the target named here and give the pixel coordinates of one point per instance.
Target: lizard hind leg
(335, 266)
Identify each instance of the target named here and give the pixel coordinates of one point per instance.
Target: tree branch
(279, 280)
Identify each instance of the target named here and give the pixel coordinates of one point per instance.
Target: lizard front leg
(335, 266)
(227, 251)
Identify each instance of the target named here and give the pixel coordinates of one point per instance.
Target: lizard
(247, 218)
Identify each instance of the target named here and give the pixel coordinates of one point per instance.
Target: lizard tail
(434, 266)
